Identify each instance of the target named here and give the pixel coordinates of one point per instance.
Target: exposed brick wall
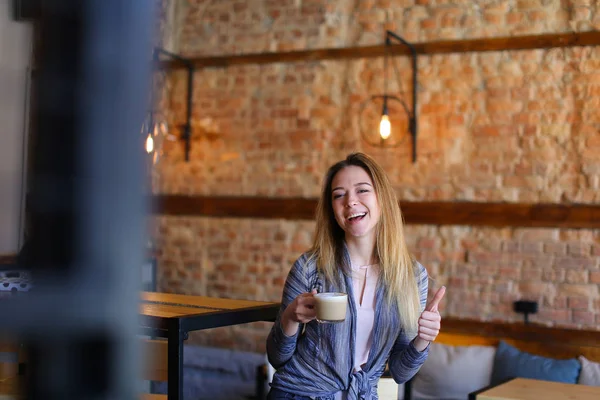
(484, 269)
(499, 126)
(164, 31)
(246, 26)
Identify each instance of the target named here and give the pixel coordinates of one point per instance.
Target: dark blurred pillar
(86, 204)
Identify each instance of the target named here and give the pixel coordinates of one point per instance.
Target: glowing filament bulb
(385, 127)
(149, 144)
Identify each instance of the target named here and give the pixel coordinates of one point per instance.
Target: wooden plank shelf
(508, 43)
(8, 259)
(572, 216)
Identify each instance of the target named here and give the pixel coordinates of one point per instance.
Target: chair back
(12, 366)
(154, 365)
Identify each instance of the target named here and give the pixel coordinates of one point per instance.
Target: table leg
(175, 363)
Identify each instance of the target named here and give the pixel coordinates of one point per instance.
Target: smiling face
(354, 202)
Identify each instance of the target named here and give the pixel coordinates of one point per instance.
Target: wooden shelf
(7, 259)
(570, 216)
(528, 42)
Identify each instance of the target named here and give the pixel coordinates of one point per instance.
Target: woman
(359, 249)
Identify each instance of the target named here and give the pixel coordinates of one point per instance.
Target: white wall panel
(15, 50)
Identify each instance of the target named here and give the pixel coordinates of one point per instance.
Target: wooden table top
(9, 389)
(168, 305)
(532, 389)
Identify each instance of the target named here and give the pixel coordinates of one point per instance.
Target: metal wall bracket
(187, 128)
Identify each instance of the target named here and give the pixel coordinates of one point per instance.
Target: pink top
(364, 280)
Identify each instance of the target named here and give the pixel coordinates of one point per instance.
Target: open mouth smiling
(356, 216)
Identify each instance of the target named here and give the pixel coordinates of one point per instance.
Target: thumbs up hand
(430, 321)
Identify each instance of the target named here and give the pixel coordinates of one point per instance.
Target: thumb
(439, 295)
(314, 291)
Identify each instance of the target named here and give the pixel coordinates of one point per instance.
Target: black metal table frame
(176, 329)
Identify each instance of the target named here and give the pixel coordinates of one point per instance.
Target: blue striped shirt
(318, 361)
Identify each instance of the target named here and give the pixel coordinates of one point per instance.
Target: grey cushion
(452, 372)
(211, 373)
(590, 372)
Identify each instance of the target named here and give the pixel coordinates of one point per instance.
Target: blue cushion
(511, 362)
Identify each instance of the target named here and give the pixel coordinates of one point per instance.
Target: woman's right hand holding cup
(300, 310)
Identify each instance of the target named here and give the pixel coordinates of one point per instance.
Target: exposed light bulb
(149, 144)
(385, 127)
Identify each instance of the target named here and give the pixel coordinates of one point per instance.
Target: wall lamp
(385, 137)
(155, 129)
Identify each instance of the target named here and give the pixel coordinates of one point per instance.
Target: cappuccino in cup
(331, 306)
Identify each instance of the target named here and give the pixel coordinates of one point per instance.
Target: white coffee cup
(331, 307)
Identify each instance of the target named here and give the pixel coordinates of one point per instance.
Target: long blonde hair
(397, 267)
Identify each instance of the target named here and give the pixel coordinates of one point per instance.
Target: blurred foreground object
(86, 204)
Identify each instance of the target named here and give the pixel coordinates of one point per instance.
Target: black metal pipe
(188, 63)
(413, 126)
(187, 128)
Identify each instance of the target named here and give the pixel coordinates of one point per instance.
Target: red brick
(583, 317)
(501, 287)
(242, 6)
(530, 248)
(493, 18)
(436, 108)
(492, 131)
(578, 303)
(284, 113)
(429, 23)
(469, 244)
(577, 276)
(537, 261)
(516, 182)
(513, 18)
(594, 277)
(308, 78)
(528, 273)
(574, 262)
(277, 258)
(278, 282)
(593, 141)
(453, 256)
(488, 271)
(556, 302)
(555, 248)
(430, 256)
(554, 316)
(426, 243)
(533, 288)
(254, 269)
(491, 258)
(459, 282)
(510, 246)
(523, 168)
(537, 16)
(509, 273)
(228, 268)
